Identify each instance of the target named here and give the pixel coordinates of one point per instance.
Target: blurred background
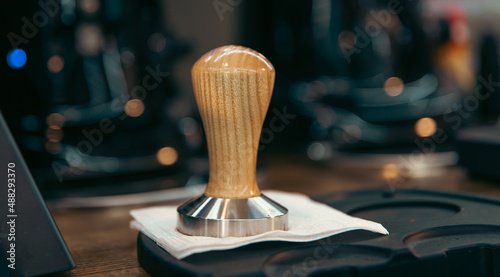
(98, 93)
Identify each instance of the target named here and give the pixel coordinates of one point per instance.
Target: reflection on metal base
(220, 217)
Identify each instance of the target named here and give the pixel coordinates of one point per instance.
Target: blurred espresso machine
(88, 95)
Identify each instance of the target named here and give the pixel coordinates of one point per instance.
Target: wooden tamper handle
(233, 87)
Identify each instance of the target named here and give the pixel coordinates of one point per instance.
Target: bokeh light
(317, 151)
(425, 127)
(347, 39)
(89, 39)
(55, 120)
(16, 58)
(188, 126)
(167, 156)
(127, 58)
(393, 86)
(351, 134)
(89, 6)
(55, 64)
(157, 42)
(390, 171)
(134, 107)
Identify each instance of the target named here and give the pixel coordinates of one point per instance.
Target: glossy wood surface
(233, 87)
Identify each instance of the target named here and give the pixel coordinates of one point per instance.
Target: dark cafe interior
(250, 138)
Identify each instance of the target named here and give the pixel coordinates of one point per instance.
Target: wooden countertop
(102, 243)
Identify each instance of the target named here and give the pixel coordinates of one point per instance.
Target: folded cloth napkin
(308, 220)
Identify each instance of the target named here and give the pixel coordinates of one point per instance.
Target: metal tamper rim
(218, 217)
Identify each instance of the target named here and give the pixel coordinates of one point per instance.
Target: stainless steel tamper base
(220, 217)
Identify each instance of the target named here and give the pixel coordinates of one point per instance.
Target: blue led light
(16, 58)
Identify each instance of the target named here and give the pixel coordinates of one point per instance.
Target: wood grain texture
(233, 87)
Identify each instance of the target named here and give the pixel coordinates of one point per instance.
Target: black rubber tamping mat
(431, 234)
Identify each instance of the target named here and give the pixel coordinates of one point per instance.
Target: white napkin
(308, 220)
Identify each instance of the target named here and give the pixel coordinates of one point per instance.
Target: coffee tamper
(232, 86)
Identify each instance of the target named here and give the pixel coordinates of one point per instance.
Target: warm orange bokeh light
(390, 171)
(167, 156)
(393, 86)
(55, 120)
(134, 108)
(425, 127)
(55, 64)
